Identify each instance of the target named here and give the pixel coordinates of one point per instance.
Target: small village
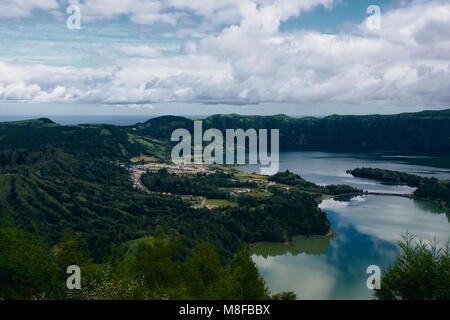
(138, 170)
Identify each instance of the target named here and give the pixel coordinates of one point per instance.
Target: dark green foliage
(427, 188)
(422, 132)
(339, 189)
(57, 177)
(295, 180)
(203, 268)
(164, 268)
(67, 252)
(289, 295)
(435, 190)
(291, 179)
(420, 272)
(202, 275)
(97, 201)
(157, 264)
(285, 214)
(30, 144)
(425, 132)
(27, 269)
(162, 127)
(251, 286)
(390, 176)
(197, 185)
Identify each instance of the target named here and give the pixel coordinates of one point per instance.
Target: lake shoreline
(368, 225)
(331, 234)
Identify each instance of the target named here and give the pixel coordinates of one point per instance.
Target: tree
(155, 261)
(27, 269)
(286, 295)
(204, 270)
(420, 272)
(251, 285)
(67, 252)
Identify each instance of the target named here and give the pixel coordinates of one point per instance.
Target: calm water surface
(367, 227)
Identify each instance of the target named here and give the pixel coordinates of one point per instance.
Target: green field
(142, 158)
(260, 194)
(220, 203)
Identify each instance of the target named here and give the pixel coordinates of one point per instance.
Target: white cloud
(211, 13)
(138, 51)
(24, 8)
(405, 63)
(19, 91)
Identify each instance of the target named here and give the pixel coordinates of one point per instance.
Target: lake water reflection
(367, 228)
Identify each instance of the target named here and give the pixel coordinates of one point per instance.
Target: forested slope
(55, 177)
(426, 132)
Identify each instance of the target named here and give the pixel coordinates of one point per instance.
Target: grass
(105, 132)
(31, 122)
(249, 176)
(220, 203)
(219, 167)
(160, 150)
(144, 142)
(142, 158)
(131, 247)
(259, 194)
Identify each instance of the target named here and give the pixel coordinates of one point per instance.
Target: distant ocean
(118, 120)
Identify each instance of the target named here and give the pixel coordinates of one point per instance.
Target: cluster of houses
(203, 204)
(240, 191)
(262, 181)
(176, 169)
(138, 170)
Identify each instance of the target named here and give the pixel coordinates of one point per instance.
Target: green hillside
(426, 132)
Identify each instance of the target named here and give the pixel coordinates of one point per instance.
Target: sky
(200, 57)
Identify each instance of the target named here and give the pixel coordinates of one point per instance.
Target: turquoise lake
(367, 227)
